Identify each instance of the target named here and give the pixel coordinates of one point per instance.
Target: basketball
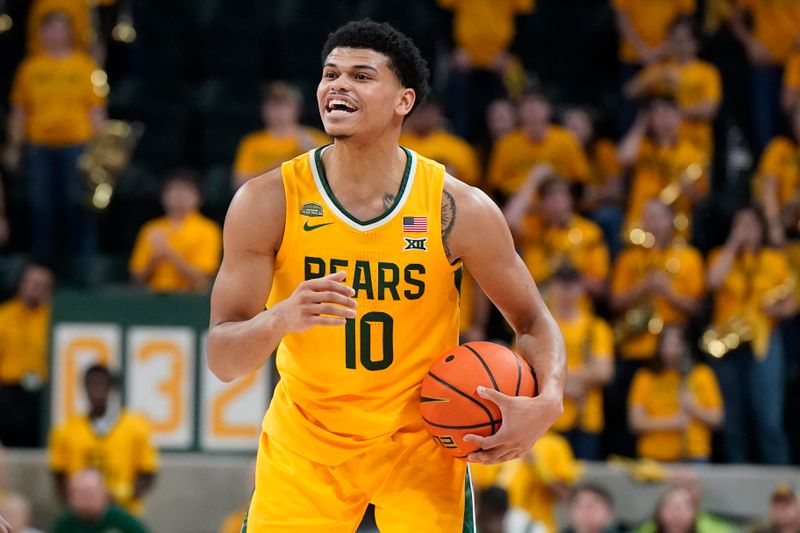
(449, 401)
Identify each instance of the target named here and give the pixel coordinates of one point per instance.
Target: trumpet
(106, 157)
(636, 321)
(718, 341)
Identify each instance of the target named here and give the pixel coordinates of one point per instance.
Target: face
(180, 198)
(281, 112)
(657, 219)
(556, 207)
(566, 294)
(56, 32)
(359, 94)
(673, 347)
(589, 513)
(785, 513)
(87, 495)
(748, 225)
(501, 118)
(36, 286)
(664, 119)
(677, 512)
(579, 123)
(682, 43)
(17, 512)
(98, 388)
(534, 113)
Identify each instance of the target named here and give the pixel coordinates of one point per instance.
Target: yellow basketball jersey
(346, 389)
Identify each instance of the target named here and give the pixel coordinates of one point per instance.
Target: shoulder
(469, 218)
(629, 255)
(778, 145)
(643, 377)
(706, 68)
(255, 137)
(453, 141)
(205, 224)
(774, 256)
(255, 218)
(9, 306)
(589, 229)
(561, 134)
(512, 138)
(688, 253)
(702, 372)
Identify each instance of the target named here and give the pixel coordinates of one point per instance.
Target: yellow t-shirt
(656, 167)
(485, 28)
(345, 390)
(651, 20)
(263, 151)
(781, 159)
(452, 151)
(122, 455)
(515, 154)
(553, 462)
(603, 162)
(659, 395)
(23, 341)
(776, 25)
(197, 240)
(78, 12)
(587, 337)
(684, 266)
(580, 243)
(698, 82)
(56, 95)
(791, 72)
(743, 291)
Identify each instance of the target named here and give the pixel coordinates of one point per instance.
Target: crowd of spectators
(678, 308)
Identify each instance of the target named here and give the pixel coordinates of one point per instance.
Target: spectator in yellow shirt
(537, 141)
(693, 83)
(110, 439)
(424, 133)
(769, 43)
(282, 138)
(663, 166)
(80, 16)
(24, 330)
(55, 111)
(790, 92)
(754, 284)
(776, 186)
(483, 31)
(543, 477)
(181, 250)
(590, 363)
(549, 234)
(602, 197)
(675, 404)
(643, 28)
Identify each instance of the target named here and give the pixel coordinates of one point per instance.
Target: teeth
(337, 101)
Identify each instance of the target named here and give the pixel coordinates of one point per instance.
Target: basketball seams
(485, 366)
(472, 426)
(519, 375)
(492, 421)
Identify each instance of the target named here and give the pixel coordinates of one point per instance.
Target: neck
(662, 242)
(29, 303)
(178, 216)
(59, 52)
(535, 132)
(665, 139)
(98, 411)
(282, 130)
(364, 166)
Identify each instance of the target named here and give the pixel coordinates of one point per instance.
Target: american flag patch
(415, 224)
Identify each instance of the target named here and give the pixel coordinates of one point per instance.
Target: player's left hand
(525, 420)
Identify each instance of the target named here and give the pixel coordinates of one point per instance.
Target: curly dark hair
(405, 59)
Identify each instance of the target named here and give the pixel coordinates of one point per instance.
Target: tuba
(636, 321)
(718, 341)
(106, 157)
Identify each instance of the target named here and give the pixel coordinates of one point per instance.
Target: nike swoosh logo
(309, 227)
(426, 399)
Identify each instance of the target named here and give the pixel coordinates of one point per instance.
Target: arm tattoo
(388, 200)
(448, 221)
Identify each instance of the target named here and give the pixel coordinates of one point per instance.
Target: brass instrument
(718, 341)
(636, 321)
(106, 157)
(668, 196)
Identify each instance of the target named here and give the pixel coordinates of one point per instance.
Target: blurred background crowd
(646, 154)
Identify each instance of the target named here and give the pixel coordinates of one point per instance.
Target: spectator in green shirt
(90, 508)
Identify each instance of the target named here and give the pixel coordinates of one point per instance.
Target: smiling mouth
(340, 106)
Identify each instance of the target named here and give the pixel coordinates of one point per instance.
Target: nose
(340, 85)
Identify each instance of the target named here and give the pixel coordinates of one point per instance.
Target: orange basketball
(450, 405)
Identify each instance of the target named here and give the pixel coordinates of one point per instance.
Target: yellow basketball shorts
(413, 484)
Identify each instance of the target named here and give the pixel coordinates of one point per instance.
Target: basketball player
(359, 246)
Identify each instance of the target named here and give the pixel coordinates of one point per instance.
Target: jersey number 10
(365, 330)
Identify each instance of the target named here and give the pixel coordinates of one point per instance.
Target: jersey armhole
(436, 225)
(289, 227)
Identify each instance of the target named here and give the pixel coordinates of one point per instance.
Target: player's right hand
(317, 302)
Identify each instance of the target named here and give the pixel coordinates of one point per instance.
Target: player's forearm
(236, 349)
(541, 344)
(712, 417)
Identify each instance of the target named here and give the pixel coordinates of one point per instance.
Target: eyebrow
(370, 67)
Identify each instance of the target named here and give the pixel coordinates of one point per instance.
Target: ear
(406, 102)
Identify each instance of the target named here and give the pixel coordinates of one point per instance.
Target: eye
(329, 75)
(361, 76)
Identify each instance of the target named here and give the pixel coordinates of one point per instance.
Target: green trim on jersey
(329, 193)
(469, 506)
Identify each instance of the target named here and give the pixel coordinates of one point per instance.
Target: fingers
(333, 310)
(326, 321)
(495, 396)
(333, 297)
(332, 283)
